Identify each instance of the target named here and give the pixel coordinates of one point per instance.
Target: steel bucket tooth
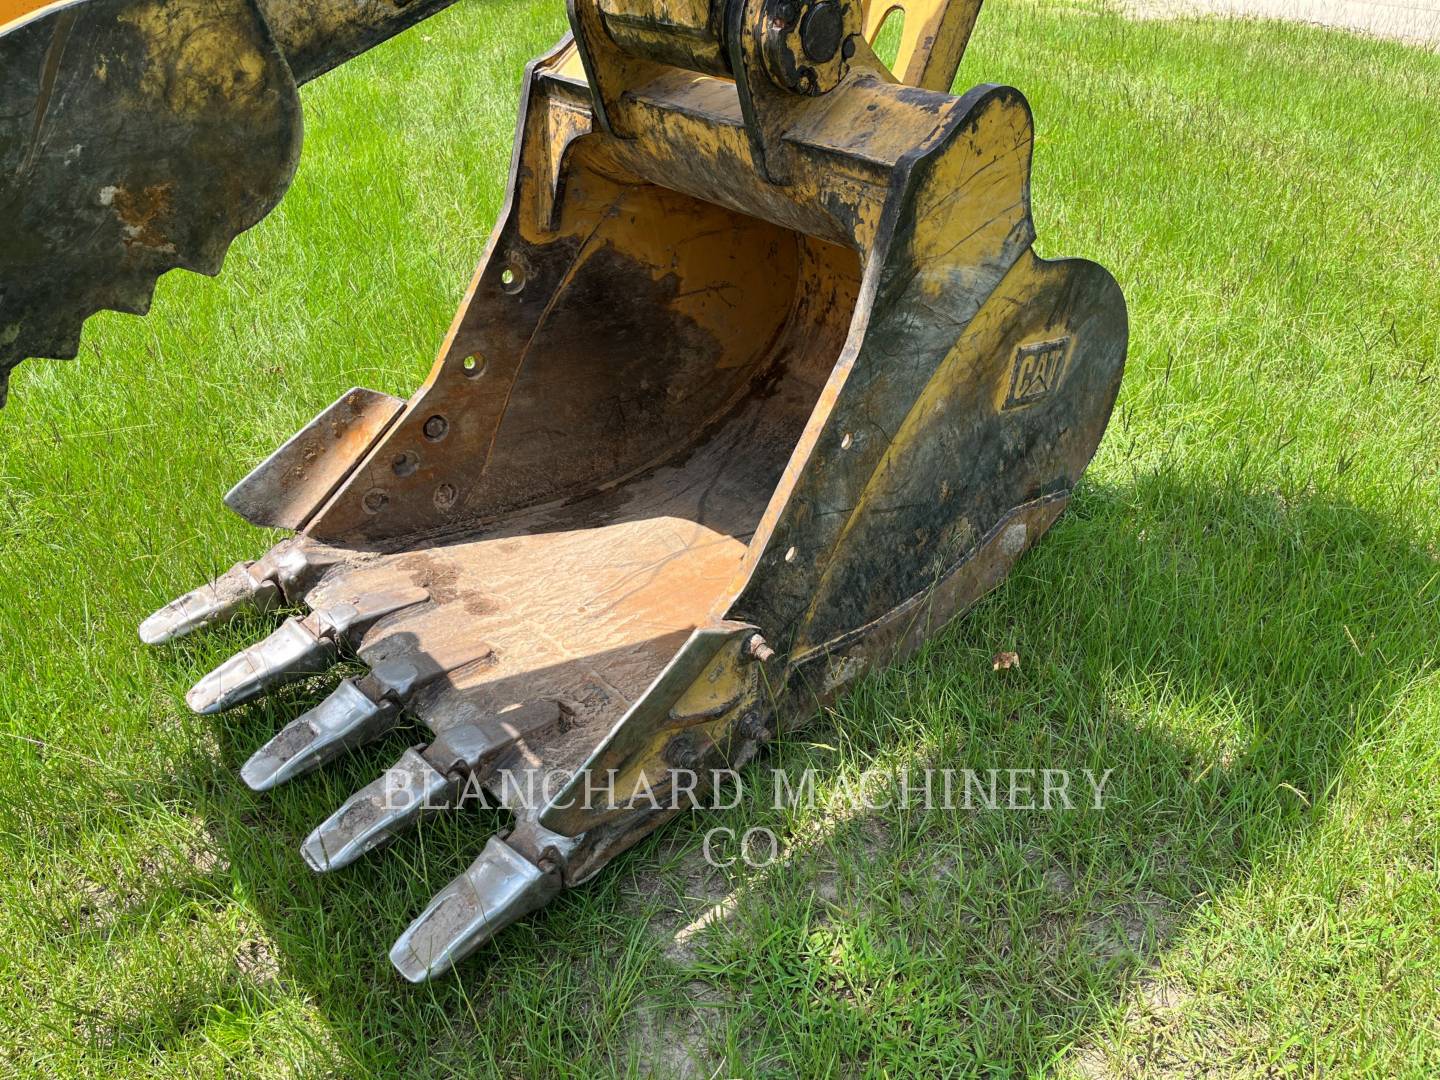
(358, 711)
(348, 718)
(233, 592)
(300, 648)
(500, 887)
(380, 810)
(246, 587)
(424, 780)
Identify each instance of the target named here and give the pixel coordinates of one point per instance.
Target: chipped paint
(205, 92)
(143, 214)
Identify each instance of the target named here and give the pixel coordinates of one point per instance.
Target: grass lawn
(1239, 615)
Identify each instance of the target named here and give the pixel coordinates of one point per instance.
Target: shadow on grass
(1220, 650)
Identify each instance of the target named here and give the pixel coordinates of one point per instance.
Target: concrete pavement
(1414, 21)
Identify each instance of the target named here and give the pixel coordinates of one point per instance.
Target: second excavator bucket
(759, 383)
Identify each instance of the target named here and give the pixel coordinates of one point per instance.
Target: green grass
(1239, 615)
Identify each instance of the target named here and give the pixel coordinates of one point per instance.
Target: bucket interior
(679, 353)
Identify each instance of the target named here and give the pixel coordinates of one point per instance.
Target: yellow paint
(205, 58)
(973, 196)
(727, 682)
(721, 684)
(932, 39)
(14, 10)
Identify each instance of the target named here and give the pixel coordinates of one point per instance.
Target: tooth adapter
(758, 385)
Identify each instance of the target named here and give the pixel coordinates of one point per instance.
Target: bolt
(684, 751)
(374, 501)
(445, 496)
(757, 649)
(752, 726)
(435, 428)
(821, 31)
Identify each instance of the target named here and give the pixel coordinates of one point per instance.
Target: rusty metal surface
(136, 136)
(285, 489)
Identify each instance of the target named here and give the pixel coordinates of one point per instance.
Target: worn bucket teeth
(346, 719)
(500, 887)
(299, 649)
(378, 811)
(423, 780)
(292, 652)
(233, 592)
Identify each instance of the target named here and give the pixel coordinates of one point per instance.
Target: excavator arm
(137, 136)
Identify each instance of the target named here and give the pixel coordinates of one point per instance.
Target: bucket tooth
(422, 781)
(359, 711)
(378, 811)
(500, 887)
(233, 592)
(298, 649)
(346, 719)
(476, 749)
(294, 651)
(349, 619)
(247, 586)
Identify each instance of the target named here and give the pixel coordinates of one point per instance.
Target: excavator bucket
(759, 383)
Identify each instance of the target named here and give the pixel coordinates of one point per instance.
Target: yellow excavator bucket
(758, 384)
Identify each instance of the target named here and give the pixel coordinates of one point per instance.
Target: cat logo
(1036, 372)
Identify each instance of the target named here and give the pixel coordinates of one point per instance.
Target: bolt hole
(475, 366)
(847, 442)
(790, 555)
(512, 279)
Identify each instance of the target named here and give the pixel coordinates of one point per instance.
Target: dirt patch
(944, 867)
(1058, 883)
(681, 898)
(1133, 931)
(91, 905)
(256, 960)
(1167, 1033)
(1158, 997)
(679, 1041)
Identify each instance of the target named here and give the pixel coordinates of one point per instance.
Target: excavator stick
(759, 384)
(138, 136)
